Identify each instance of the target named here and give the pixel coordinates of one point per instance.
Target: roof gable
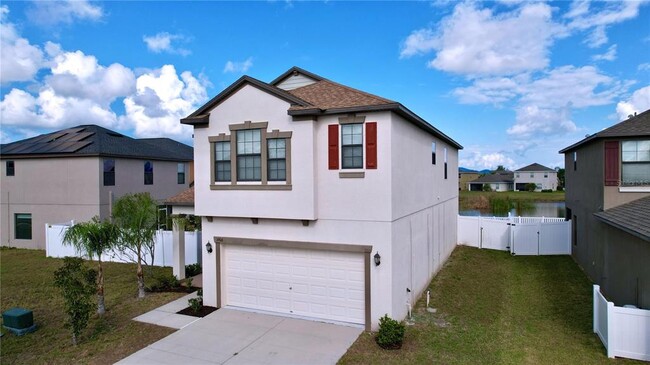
(295, 72)
(636, 126)
(199, 117)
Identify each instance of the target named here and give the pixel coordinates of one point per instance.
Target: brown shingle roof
(638, 125)
(184, 198)
(326, 94)
(633, 217)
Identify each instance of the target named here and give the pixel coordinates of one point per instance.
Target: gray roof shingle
(497, 177)
(93, 140)
(535, 167)
(633, 217)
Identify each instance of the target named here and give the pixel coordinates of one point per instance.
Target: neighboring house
(543, 177)
(75, 173)
(319, 200)
(498, 181)
(466, 176)
(607, 199)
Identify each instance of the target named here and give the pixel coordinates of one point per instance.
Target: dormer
(294, 78)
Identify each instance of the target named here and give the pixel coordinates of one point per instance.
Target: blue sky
(512, 81)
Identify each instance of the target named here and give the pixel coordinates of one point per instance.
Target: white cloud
(474, 41)
(639, 102)
(163, 42)
(20, 60)
(161, 100)
(610, 55)
(18, 108)
(476, 159)
(238, 67)
(49, 13)
(490, 90)
(75, 74)
(644, 66)
(533, 120)
(596, 21)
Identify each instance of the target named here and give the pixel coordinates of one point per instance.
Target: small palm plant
(93, 238)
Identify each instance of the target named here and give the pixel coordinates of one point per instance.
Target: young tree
(77, 284)
(93, 238)
(136, 216)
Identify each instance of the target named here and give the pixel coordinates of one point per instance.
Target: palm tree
(136, 216)
(93, 238)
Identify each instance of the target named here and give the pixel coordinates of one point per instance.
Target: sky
(512, 81)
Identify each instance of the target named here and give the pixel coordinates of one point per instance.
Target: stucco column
(178, 234)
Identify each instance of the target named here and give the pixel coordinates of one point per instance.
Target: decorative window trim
(352, 175)
(352, 119)
(264, 184)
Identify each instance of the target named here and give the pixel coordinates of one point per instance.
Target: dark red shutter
(371, 145)
(333, 146)
(611, 163)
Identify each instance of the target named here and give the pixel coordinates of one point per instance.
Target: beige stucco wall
(61, 189)
(464, 178)
(54, 190)
(548, 182)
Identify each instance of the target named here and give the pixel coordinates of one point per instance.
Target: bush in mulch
(193, 270)
(169, 283)
(204, 311)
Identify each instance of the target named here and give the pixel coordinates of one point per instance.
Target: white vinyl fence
(519, 235)
(625, 332)
(163, 252)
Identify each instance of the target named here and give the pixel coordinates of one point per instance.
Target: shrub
(196, 303)
(164, 282)
(391, 333)
(193, 269)
(547, 191)
(487, 187)
(559, 188)
(77, 284)
(531, 187)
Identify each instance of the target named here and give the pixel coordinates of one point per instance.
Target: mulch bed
(204, 311)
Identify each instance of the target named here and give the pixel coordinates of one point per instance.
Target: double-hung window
(222, 161)
(11, 168)
(635, 164)
(249, 155)
(277, 162)
(352, 146)
(180, 173)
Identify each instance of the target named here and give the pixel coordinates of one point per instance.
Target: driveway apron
(230, 336)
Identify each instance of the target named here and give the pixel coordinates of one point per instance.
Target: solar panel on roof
(44, 147)
(58, 147)
(80, 136)
(24, 148)
(75, 130)
(76, 146)
(57, 135)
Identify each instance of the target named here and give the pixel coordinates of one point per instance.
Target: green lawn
(26, 281)
(494, 308)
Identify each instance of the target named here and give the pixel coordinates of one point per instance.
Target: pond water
(532, 209)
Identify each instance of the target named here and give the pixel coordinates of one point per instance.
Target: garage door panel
(321, 284)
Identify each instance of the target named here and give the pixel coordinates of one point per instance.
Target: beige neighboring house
(76, 173)
(543, 177)
(320, 201)
(465, 177)
(608, 202)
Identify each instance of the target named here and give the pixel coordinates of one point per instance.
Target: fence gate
(525, 239)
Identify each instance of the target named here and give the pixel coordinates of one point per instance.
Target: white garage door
(318, 284)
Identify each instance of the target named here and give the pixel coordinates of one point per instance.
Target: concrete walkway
(230, 336)
(166, 315)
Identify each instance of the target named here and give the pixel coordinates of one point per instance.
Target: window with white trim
(635, 163)
(352, 146)
(222, 161)
(249, 155)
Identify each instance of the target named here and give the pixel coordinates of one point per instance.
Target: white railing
(163, 250)
(625, 332)
(519, 235)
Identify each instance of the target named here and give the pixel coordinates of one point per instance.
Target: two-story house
(608, 202)
(76, 173)
(543, 177)
(319, 200)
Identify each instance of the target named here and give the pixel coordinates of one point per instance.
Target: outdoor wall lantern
(208, 247)
(377, 259)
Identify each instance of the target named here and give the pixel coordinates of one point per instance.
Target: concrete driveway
(230, 336)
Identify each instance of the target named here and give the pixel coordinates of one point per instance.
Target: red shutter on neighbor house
(611, 163)
(371, 145)
(333, 146)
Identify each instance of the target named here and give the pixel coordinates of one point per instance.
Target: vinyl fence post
(594, 293)
(611, 340)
